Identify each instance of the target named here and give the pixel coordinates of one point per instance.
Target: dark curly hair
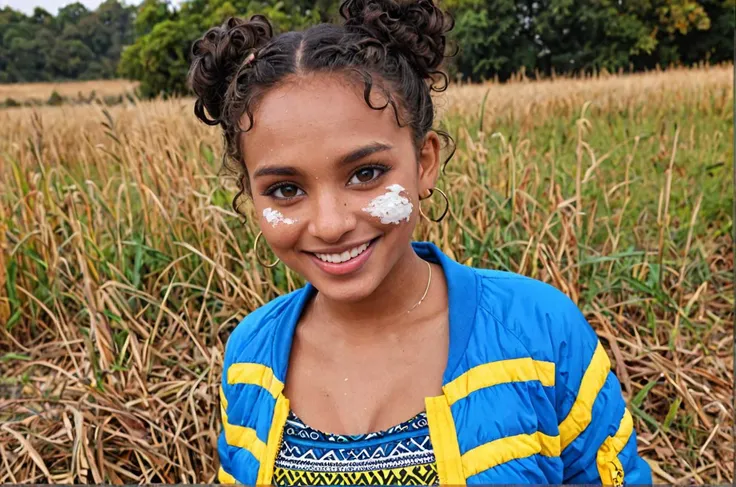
(395, 45)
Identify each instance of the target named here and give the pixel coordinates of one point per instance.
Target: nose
(331, 218)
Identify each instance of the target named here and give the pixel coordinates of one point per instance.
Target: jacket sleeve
(598, 441)
(224, 474)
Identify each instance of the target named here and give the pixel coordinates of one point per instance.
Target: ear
(429, 163)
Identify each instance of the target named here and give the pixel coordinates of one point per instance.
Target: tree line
(75, 44)
(150, 42)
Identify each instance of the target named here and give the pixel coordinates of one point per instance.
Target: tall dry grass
(123, 268)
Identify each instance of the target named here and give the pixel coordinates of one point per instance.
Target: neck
(402, 288)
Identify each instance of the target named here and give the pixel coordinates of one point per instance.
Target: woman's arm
(224, 474)
(596, 430)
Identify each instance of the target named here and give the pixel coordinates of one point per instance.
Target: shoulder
(537, 314)
(509, 294)
(508, 288)
(251, 338)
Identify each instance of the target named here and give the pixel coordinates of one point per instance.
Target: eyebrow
(276, 171)
(362, 152)
(347, 159)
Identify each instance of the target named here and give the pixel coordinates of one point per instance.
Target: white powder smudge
(274, 217)
(391, 207)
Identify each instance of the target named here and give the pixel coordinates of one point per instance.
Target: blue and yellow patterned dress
(400, 455)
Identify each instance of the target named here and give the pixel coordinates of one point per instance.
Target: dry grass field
(123, 267)
(42, 91)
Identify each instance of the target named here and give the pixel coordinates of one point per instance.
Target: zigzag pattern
(401, 455)
(415, 475)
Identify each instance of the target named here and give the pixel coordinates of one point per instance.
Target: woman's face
(335, 183)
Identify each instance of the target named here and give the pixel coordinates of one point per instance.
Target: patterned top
(400, 455)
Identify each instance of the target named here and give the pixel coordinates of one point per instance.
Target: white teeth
(343, 257)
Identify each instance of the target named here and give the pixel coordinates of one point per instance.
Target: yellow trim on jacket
(444, 441)
(499, 372)
(280, 414)
(581, 413)
(609, 466)
(256, 374)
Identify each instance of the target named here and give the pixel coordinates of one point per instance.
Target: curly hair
(396, 46)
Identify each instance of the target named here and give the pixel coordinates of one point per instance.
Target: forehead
(318, 116)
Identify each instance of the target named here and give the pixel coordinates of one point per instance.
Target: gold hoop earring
(447, 205)
(255, 251)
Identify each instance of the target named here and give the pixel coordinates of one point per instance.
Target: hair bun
(417, 29)
(218, 56)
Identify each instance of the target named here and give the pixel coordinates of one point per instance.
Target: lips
(344, 262)
(344, 256)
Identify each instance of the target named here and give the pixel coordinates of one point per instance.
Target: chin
(350, 291)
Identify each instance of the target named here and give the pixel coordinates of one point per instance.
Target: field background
(123, 268)
(41, 91)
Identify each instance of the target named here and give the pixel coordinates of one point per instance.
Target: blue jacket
(528, 392)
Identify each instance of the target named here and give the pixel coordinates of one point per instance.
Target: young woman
(395, 364)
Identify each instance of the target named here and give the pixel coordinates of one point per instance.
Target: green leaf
(14, 318)
(637, 412)
(642, 394)
(14, 356)
(671, 414)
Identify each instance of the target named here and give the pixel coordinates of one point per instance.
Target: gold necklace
(429, 281)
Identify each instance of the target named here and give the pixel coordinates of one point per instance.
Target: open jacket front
(528, 392)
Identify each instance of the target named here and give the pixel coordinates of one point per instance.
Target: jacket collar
(462, 289)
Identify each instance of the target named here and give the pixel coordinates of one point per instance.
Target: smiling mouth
(344, 256)
(344, 262)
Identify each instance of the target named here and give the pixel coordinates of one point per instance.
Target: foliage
(159, 59)
(150, 13)
(497, 38)
(494, 38)
(76, 44)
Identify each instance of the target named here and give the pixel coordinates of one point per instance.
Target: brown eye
(365, 175)
(287, 191)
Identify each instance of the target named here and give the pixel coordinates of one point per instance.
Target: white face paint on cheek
(390, 207)
(274, 217)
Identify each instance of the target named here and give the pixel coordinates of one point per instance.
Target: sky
(52, 6)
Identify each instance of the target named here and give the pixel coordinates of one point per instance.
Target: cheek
(280, 230)
(282, 238)
(394, 207)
